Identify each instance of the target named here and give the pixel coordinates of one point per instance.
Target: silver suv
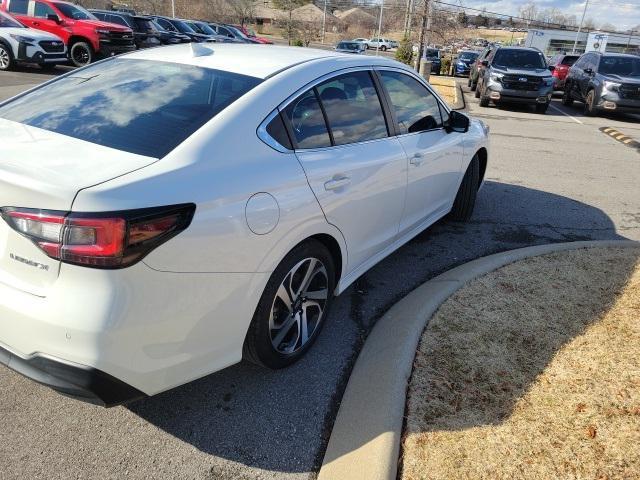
(515, 75)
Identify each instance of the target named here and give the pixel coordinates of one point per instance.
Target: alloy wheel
(4, 59)
(298, 306)
(81, 55)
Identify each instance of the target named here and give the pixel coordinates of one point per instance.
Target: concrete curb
(365, 441)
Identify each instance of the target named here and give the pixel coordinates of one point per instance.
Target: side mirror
(551, 68)
(485, 63)
(458, 122)
(54, 18)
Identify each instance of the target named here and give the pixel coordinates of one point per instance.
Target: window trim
(313, 84)
(444, 109)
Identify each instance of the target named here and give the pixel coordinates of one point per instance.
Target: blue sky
(624, 14)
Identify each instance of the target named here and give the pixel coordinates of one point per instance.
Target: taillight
(100, 240)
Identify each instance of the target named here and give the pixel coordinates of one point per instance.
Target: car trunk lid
(45, 170)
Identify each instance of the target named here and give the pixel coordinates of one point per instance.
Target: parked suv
(516, 74)
(144, 33)
(179, 26)
(475, 71)
(433, 55)
(561, 64)
(86, 37)
(604, 82)
(21, 44)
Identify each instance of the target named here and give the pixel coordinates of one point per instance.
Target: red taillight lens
(109, 240)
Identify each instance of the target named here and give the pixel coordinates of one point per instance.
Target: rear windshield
(468, 55)
(137, 106)
(519, 59)
(569, 60)
(432, 53)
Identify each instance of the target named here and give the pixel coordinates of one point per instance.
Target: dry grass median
(532, 372)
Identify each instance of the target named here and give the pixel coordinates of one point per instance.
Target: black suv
(604, 82)
(144, 33)
(518, 75)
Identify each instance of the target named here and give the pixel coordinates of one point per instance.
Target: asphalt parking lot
(551, 178)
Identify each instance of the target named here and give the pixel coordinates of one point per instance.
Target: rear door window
(353, 108)
(20, 7)
(138, 106)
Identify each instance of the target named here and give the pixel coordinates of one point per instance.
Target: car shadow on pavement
(280, 420)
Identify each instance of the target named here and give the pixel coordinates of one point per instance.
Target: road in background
(551, 178)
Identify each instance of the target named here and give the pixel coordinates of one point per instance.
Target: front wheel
(6, 57)
(383, 48)
(293, 307)
(81, 54)
(484, 100)
(542, 108)
(567, 99)
(465, 200)
(477, 91)
(589, 104)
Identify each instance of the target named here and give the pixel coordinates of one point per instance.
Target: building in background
(556, 41)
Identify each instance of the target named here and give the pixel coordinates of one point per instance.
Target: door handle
(336, 183)
(416, 160)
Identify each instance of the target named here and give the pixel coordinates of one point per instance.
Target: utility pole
(406, 17)
(411, 9)
(379, 28)
(424, 26)
(324, 20)
(584, 12)
(173, 8)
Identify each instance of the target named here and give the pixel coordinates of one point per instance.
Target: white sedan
(27, 45)
(167, 212)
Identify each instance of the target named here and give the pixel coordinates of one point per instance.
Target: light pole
(584, 12)
(379, 28)
(173, 8)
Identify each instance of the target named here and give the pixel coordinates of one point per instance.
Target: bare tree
(608, 27)
(244, 10)
(290, 25)
(589, 24)
(529, 12)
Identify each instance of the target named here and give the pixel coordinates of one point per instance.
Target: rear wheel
(589, 104)
(293, 307)
(6, 57)
(81, 54)
(567, 99)
(465, 200)
(477, 90)
(383, 48)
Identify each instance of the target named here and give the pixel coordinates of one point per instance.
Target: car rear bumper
(82, 383)
(136, 330)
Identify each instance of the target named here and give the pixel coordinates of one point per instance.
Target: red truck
(86, 37)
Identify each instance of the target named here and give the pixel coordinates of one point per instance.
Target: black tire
(6, 58)
(81, 54)
(589, 102)
(567, 99)
(542, 108)
(383, 48)
(465, 200)
(258, 345)
(474, 86)
(484, 100)
(477, 90)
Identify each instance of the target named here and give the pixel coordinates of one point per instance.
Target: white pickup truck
(381, 43)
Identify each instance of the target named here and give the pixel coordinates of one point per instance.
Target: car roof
(623, 55)
(259, 61)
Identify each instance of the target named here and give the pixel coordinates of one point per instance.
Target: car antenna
(198, 50)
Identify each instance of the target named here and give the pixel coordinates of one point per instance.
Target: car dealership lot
(551, 178)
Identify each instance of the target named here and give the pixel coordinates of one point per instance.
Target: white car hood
(37, 35)
(42, 169)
